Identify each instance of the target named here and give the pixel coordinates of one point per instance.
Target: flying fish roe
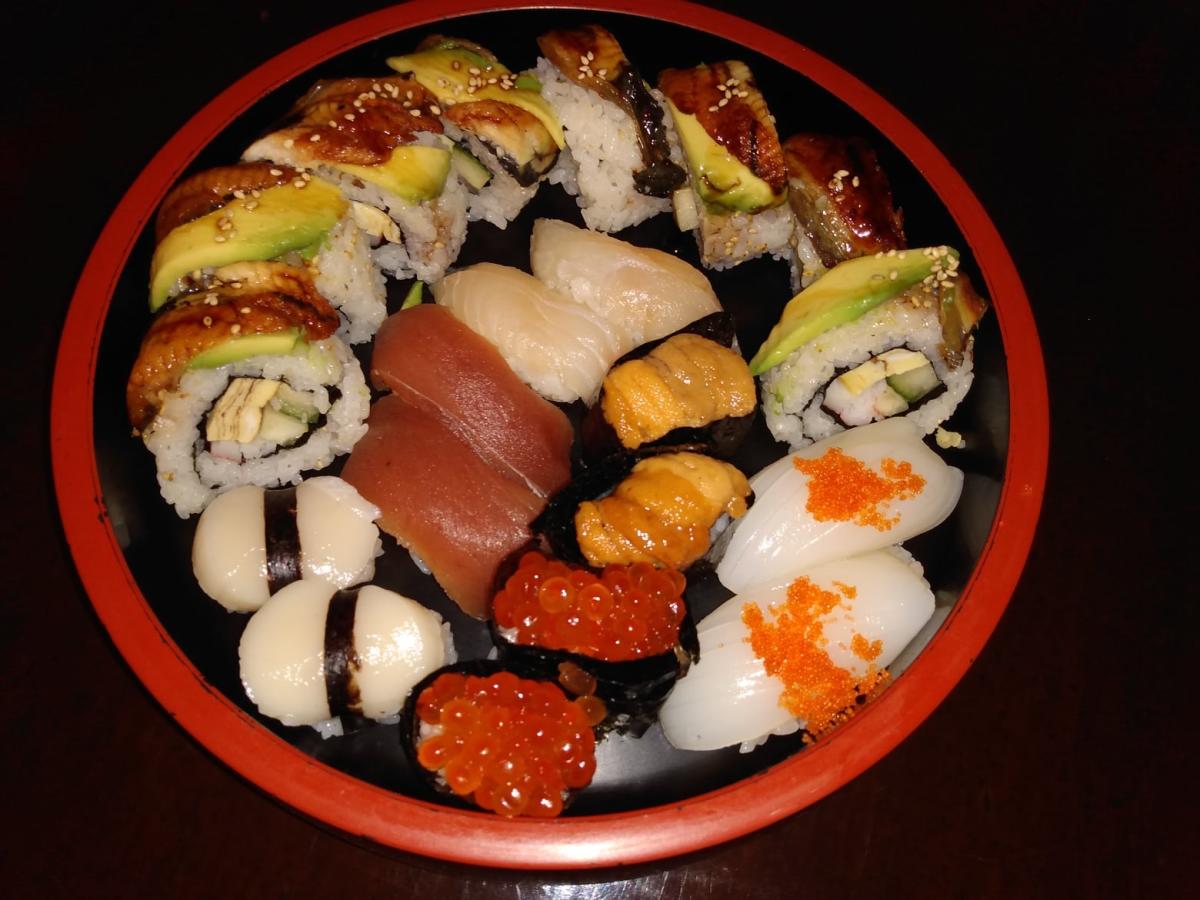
(842, 488)
(620, 614)
(511, 745)
(792, 649)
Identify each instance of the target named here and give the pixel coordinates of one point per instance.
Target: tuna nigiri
(642, 294)
(558, 347)
(440, 499)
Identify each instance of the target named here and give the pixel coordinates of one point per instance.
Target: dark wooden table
(1063, 763)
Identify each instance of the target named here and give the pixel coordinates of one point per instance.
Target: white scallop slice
(282, 654)
(728, 698)
(338, 537)
(778, 537)
(398, 642)
(229, 553)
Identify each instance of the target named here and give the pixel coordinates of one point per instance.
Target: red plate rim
(621, 838)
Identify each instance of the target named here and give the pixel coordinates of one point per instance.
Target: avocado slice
(414, 295)
(282, 220)
(720, 178)
(413, 172)
(842, 294)
(436, 71)
(469, 169)
(239, 348)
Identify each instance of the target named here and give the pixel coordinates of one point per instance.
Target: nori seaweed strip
(341, 659)
(282, 538)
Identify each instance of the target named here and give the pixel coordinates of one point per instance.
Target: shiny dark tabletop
(1061, 765)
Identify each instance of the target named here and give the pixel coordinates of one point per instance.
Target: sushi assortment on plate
(556, 447)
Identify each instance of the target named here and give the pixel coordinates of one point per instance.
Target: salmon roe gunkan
(511, 745)
(621, 614)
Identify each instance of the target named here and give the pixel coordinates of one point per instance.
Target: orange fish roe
(842, 488)
(624, 613)
(792, 649)
(512, 745)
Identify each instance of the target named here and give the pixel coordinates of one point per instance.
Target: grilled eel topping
(255, 298)
(521, 143)
(591, 57)
(841, 197)
(212, 189)
(359, 121)
(727, 103)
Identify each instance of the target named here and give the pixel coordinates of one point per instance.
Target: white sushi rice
(345, 274)
(190, 475)
(727, 239)
(805, 262)
(501, 199)
(793, 391)
(601, 156)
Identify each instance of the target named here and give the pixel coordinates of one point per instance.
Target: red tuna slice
(431, 359)
(439, 499)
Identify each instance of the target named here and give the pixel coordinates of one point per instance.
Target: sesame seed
(289, 143)
(590, 56)
(235, 284)
(256, 193)
(376, 86)
(408, 94)
(349, 117)
(235, 328)
(474, 71)
(712, 109)
(276, 172)
(333, 124)
(841, 173)
(894, 274)
(722, 101)
(207, 320)
(240, 195)
(315, 138)
(438, 245)
(602, 72)
(299, 183)
(891, 253)
(455, 65)
(854, 181)
(415, 112)
(245, 310)
(435, 109)
(306, 176)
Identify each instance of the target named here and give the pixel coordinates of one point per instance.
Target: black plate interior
(632, 773)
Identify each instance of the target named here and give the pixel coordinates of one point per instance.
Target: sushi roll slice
(800, 655)
(558, 347)
(258, 211)
(738, 183)
(875, 337)
(842, 202)
(244, 384)
(641, 294)
(618, 160)
(314, 655)
(380, 140)
(493, 740)
(251, 543)
(861, 490)
(624, 634)
(664, 509)
(506, 135)
(692, 388)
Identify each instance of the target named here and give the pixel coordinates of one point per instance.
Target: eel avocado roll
(624, 633)
(842, 202)
(244, 383)
(690, 388)
(661, 508)
(380, 140)
(618, 161)
(875, 337)
(259, 211)
(491, 739)
(506, 136)
(315, 655)
(736, 198)
(251, 543)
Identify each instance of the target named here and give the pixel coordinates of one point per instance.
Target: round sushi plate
(649, 800)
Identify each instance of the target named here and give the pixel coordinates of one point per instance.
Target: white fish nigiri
(728, 697)
(560, 348)
(644, 294)
(333, 528)
(395, 643)
(781, 536)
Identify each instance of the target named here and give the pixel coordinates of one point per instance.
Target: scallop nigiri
(861, 490)
(560, 348)
(799, 654)
(641, 294)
